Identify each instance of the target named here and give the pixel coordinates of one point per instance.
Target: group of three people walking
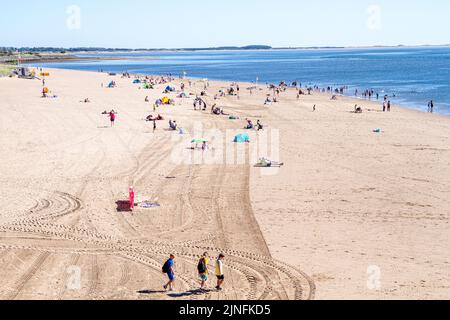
(202, 269)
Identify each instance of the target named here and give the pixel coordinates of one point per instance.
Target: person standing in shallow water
(431, 106)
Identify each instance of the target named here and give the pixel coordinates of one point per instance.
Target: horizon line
(247, 47)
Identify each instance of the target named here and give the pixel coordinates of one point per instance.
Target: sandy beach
(352, 214)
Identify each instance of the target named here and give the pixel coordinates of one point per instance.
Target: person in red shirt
(112, 117)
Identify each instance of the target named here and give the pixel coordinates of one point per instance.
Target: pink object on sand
(131, 191)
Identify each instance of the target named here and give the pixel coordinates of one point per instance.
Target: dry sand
(348, 203)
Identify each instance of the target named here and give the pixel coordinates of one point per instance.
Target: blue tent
(241, 138)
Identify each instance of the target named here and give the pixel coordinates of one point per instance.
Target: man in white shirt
(219, 272)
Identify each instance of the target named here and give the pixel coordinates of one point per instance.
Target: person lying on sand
(266, 163)
(151, 118)
(358, 109)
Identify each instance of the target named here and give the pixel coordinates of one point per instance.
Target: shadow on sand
(151, 292)
(190, 293)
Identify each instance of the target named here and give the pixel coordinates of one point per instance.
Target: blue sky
(206, 23)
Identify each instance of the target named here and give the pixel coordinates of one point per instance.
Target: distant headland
(11, 55)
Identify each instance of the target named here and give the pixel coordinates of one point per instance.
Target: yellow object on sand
(165, 100)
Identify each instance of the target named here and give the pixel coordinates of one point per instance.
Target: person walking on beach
(384, 106)
(204, 146)
(168, 269)
(112, 117)
(389, 106)
(219, 272)
(202, 269)
(431, 106)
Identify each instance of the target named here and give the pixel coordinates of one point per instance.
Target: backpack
(165, 268)
(201, 266)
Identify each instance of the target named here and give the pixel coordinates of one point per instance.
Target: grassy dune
(5, 70)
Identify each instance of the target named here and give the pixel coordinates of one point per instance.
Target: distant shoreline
(152, 51)
(73, 52)
(55, 55)
(67, 58)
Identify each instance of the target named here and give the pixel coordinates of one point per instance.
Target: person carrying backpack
(202, 269)
(168, 269)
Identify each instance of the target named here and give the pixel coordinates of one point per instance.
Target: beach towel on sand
(148, 205)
